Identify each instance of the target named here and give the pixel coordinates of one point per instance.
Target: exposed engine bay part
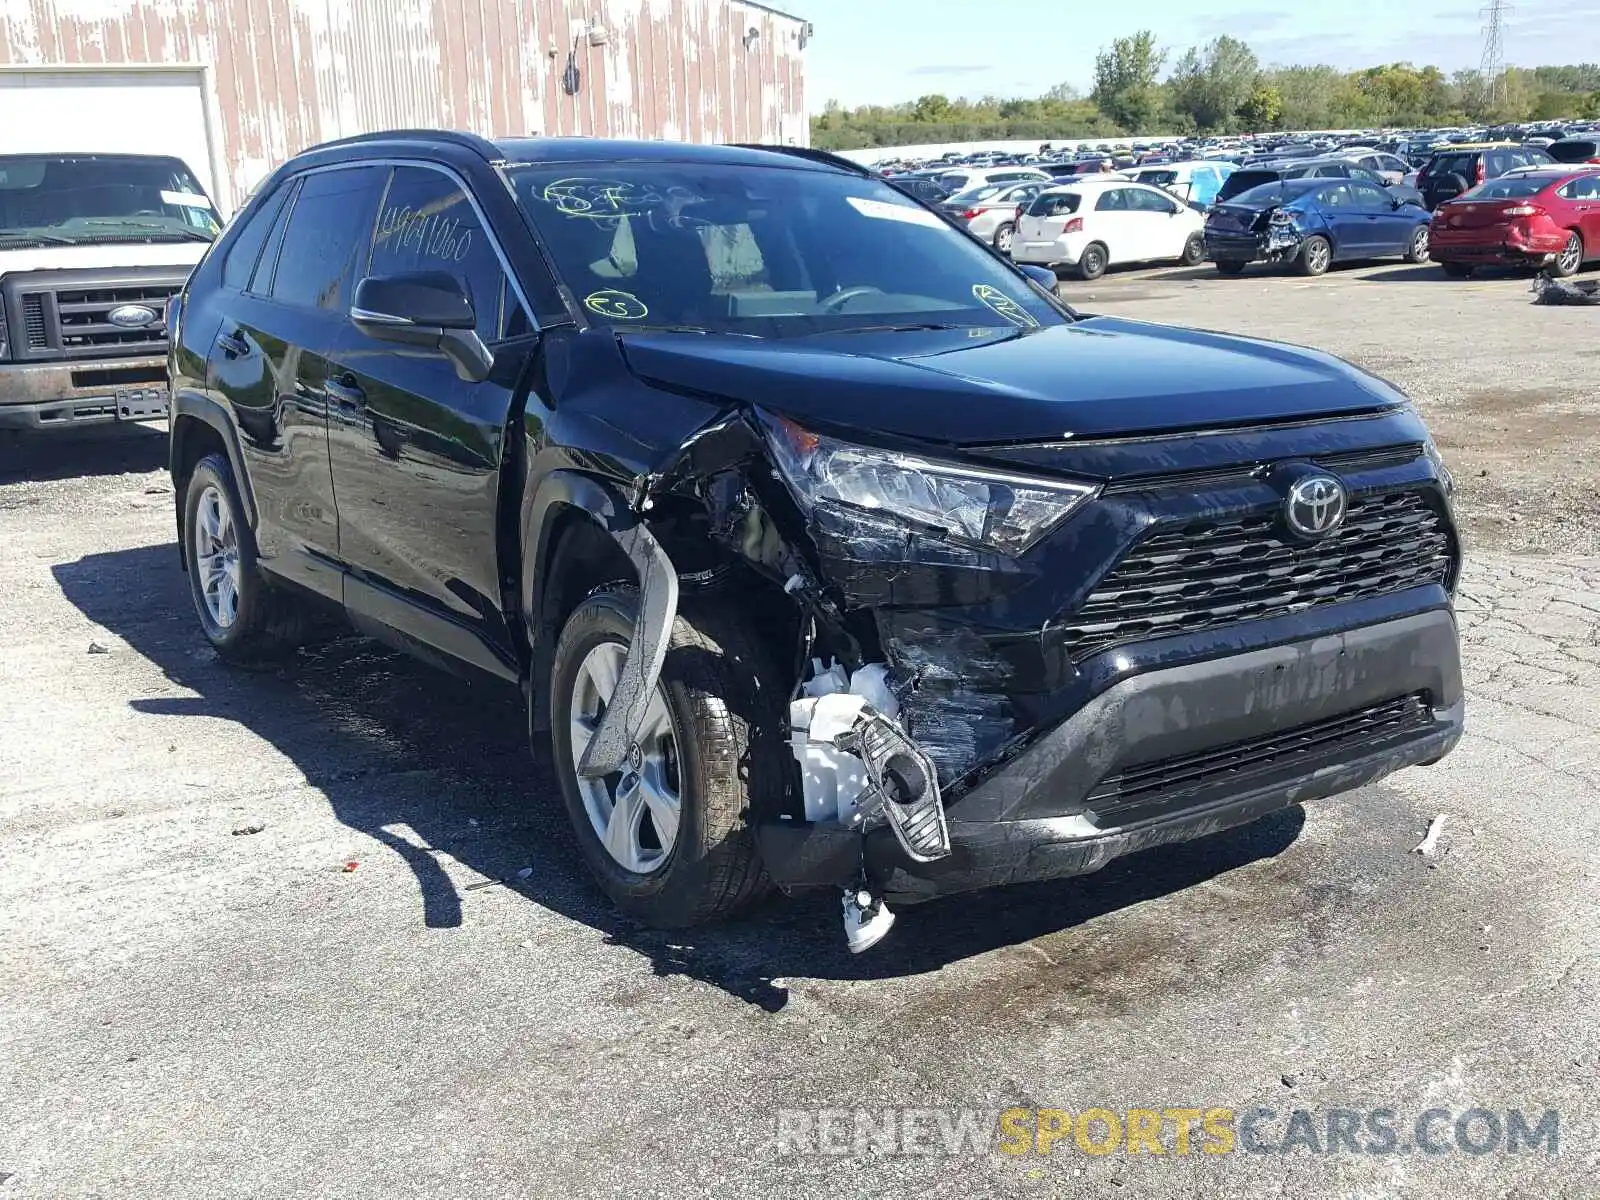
(647, 653)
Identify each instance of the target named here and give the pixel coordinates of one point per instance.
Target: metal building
(236, 86)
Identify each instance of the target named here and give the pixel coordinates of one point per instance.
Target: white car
(1090, 226)
(959, 179)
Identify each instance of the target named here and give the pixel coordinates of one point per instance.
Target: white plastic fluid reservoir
(871, 683)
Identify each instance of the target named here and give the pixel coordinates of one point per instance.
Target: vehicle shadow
(362, 723)
(107, 450)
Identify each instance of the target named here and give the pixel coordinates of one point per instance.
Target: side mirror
(428, 309)
(1043, 276)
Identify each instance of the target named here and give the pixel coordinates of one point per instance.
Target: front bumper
(57, 395)
(1171, 755)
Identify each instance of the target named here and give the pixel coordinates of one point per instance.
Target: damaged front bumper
(1169, 755)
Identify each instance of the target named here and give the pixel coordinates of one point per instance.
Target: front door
(417, 452)
(1391, 228)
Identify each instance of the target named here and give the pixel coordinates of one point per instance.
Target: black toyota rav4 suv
(827, 547)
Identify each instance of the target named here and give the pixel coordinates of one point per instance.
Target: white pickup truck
(92, 246)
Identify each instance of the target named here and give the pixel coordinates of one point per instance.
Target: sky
(885, 51)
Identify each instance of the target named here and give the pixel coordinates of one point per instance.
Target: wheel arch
(200, 426)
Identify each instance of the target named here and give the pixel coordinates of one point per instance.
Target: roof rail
(825, 157)
(483, 147)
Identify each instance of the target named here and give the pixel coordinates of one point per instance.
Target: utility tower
(1492, 68)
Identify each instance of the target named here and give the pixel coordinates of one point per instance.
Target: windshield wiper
(908, 328)
(48, 239)
(132, 230)
(633, 326)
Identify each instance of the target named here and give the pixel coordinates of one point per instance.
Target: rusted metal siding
(290, 73)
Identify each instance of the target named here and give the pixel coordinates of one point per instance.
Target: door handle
(233, 344)
(347, 393)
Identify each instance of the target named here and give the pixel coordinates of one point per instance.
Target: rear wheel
(669, 837)
(1094, 260)
(1230, 266)
(1194, 251)
(1457, 270)
(1570, 259)
(1004, 236)
(243, 617)
(1417, 252)
(1316, 256)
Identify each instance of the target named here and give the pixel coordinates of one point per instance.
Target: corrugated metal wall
(291, 73)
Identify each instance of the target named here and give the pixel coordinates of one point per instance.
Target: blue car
(1315, 223)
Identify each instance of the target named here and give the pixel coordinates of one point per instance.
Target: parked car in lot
(1454, 169)
(1575, 150)
(1391, 168)
(962, 178)
(922, 185)
(990, 211)
(92, 246)
(1549, 217)
(1311, 168)
(1195, 182)
(644, 429)
(1088, 227)
(1314, 223)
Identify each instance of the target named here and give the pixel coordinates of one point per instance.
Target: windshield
(770, 252)
(1508, 187)
(92, 198)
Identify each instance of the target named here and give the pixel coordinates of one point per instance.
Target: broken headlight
(1006, 512)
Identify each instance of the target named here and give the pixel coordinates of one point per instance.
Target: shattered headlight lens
(1005, 512)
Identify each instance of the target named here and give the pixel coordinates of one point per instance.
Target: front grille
(1213, 573)
(83, 317)
(33, 322)
(1232, 768)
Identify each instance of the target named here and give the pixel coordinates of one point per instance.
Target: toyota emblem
(1315, 506)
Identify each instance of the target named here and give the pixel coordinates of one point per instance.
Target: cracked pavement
(192, 1009)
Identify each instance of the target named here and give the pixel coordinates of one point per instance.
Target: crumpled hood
(1098, 377)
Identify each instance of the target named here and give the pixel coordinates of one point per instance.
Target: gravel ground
(192, 1009)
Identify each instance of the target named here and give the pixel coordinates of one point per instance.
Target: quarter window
(429, 224)
(240, 264)
(330, 222)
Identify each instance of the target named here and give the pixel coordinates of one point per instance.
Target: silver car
(990, 209)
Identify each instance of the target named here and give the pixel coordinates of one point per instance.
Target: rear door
(1046, 217)
(417, 452)
(270, 361)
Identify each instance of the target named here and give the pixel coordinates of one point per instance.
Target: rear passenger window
(429, 224)
(331, 221)
(240, 264)
(266, 265)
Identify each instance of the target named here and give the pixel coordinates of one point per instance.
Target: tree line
(1219, 88)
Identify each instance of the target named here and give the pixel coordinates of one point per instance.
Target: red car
(1529, 218)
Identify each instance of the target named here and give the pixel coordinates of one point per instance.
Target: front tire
(670, 838)
(244, 617)
(1316, 256)
(1094, 260)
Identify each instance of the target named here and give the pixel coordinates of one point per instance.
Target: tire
(1315, 257)
(1003, 238)
(1094, 260)
(1570, 260)
(1457, 270)
(245, 618)
(726, 715)
(1194, 251)
(1417, 252)
(1230, 266)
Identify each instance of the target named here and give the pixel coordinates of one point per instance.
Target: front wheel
(243, 617)
(1570, 259)
(1194, 251)
(1316, 256)
(669, 837)
(1417, 251)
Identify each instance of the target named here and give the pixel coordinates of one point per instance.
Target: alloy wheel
(1572, 257)
(216, 557)
(1003, 239)
(1318, 255)
(635, 812)
(1419, 245)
